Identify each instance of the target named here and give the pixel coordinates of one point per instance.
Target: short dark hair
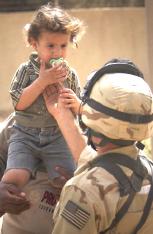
(128, 62)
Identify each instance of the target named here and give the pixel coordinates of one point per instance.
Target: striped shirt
(36, 115)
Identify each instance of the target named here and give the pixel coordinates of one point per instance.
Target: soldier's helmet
(120, 106)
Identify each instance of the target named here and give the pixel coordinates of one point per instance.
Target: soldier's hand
(59, 182)
(12, 199)
(50, 95)
(65, 175)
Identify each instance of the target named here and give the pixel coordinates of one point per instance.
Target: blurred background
(115, 28)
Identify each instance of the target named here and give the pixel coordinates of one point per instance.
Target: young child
(35, 135)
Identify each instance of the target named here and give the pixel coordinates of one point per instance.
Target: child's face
(51, 45)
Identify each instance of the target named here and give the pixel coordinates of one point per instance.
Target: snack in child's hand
(56, 61)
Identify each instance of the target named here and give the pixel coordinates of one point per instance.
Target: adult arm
(76, 210)
(12, 200)
(66, 121)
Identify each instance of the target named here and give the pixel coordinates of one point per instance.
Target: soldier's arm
(67, 123)
(75, 212)
(12, 199)
(71, 132)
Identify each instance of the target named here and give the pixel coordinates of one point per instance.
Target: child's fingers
(66, 90)
(58, 69)
(67, 101)
(61, 79)
(66, 95)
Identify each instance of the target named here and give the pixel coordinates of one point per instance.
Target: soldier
(113, 185)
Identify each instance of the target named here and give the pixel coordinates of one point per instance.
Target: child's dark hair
(56, 20)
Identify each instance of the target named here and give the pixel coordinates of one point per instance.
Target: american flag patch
(75, 215)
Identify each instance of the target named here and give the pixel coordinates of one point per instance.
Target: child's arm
(46, 77)
(70, 100)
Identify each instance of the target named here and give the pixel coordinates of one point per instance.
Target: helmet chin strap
(105, 140)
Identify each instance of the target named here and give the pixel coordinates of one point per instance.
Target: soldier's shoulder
(94, 180)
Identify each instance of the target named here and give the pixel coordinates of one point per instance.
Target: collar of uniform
(89, 154)
(132, 151)
(35, 62)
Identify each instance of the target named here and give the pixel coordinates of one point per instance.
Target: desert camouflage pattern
(126, 93)
(90, 200)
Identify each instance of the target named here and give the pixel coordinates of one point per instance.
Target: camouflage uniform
(115, 97)
(119, 108)
(90, 200)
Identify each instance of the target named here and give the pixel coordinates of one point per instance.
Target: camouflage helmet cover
(127, 94)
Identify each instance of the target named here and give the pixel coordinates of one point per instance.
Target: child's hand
(70, 100)
(55, 74)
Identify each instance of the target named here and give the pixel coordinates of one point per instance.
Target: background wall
(111, 32)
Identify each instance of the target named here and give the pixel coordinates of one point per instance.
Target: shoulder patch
(75, 215)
